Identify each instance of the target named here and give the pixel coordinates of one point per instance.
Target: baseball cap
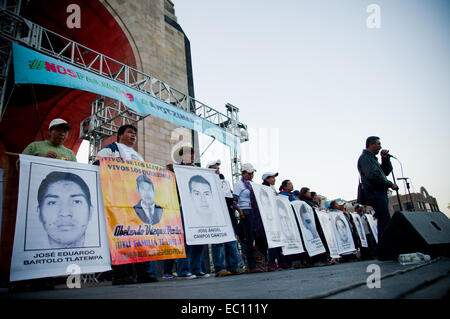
(216, 162)
(269, 174)
(247, 167)
(58, 122)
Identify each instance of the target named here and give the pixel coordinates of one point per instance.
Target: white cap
(216, 162)
(247, 167)
(269, 174)
(57, 122)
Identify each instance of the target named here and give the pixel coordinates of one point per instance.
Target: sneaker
(223, 273)
(168, 277)
(201, 274)
(187, 276)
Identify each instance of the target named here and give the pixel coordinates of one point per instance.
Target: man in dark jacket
(374, 182)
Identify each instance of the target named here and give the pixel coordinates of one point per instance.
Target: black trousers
(380, 203)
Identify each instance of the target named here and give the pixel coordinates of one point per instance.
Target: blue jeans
(225, 256)
(192, 262)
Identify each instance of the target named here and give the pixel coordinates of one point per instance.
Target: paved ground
(342, 281)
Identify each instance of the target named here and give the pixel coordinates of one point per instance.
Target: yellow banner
(142, 211)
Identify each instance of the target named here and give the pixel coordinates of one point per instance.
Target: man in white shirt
(126, 139)
(144, 271)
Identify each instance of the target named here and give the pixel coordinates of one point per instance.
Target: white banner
(330, 236)
(308, 229)
(373, 226)
(226, 188)
(360, 229)
(343, 233)
(266, 200)
(204, 210)
(290, 232)
(60, 220)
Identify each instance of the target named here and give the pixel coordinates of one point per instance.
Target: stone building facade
(421, 202)
(143, 34)
(161, 50)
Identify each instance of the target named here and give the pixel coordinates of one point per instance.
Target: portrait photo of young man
(146, 209)
(64, 209)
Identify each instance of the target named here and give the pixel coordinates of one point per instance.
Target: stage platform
(341, 281)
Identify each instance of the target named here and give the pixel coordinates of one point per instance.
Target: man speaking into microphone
(374, 182)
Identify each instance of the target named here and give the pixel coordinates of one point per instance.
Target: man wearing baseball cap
(53, 147)
(244, 202)
(226, 256)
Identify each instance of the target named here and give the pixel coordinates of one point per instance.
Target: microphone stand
(398, 195)
(407, 187)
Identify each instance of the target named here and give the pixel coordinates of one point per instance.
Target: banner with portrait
(60, 220)
(360, 229)
(373, 226)
(308, 229)
(142, 211)
(343, 233)
(325, 222)
(266, 200)
(205, 212)
(290, 232)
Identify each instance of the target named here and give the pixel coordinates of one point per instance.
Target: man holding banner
(226, 256)
(126, 138)
(53, 147)
(144, 271)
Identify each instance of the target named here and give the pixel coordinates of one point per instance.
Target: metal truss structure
(104, 117)
(5, 46)
(107, 115)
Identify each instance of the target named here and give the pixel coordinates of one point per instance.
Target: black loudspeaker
(410, 232)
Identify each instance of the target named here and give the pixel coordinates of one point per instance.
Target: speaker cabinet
(410, 232)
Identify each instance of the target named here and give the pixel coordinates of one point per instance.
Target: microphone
(389, 155)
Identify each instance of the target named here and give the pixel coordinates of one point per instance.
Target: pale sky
(312, 82)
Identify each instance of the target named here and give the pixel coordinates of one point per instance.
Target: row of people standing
(250, 217)
(226, 257)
